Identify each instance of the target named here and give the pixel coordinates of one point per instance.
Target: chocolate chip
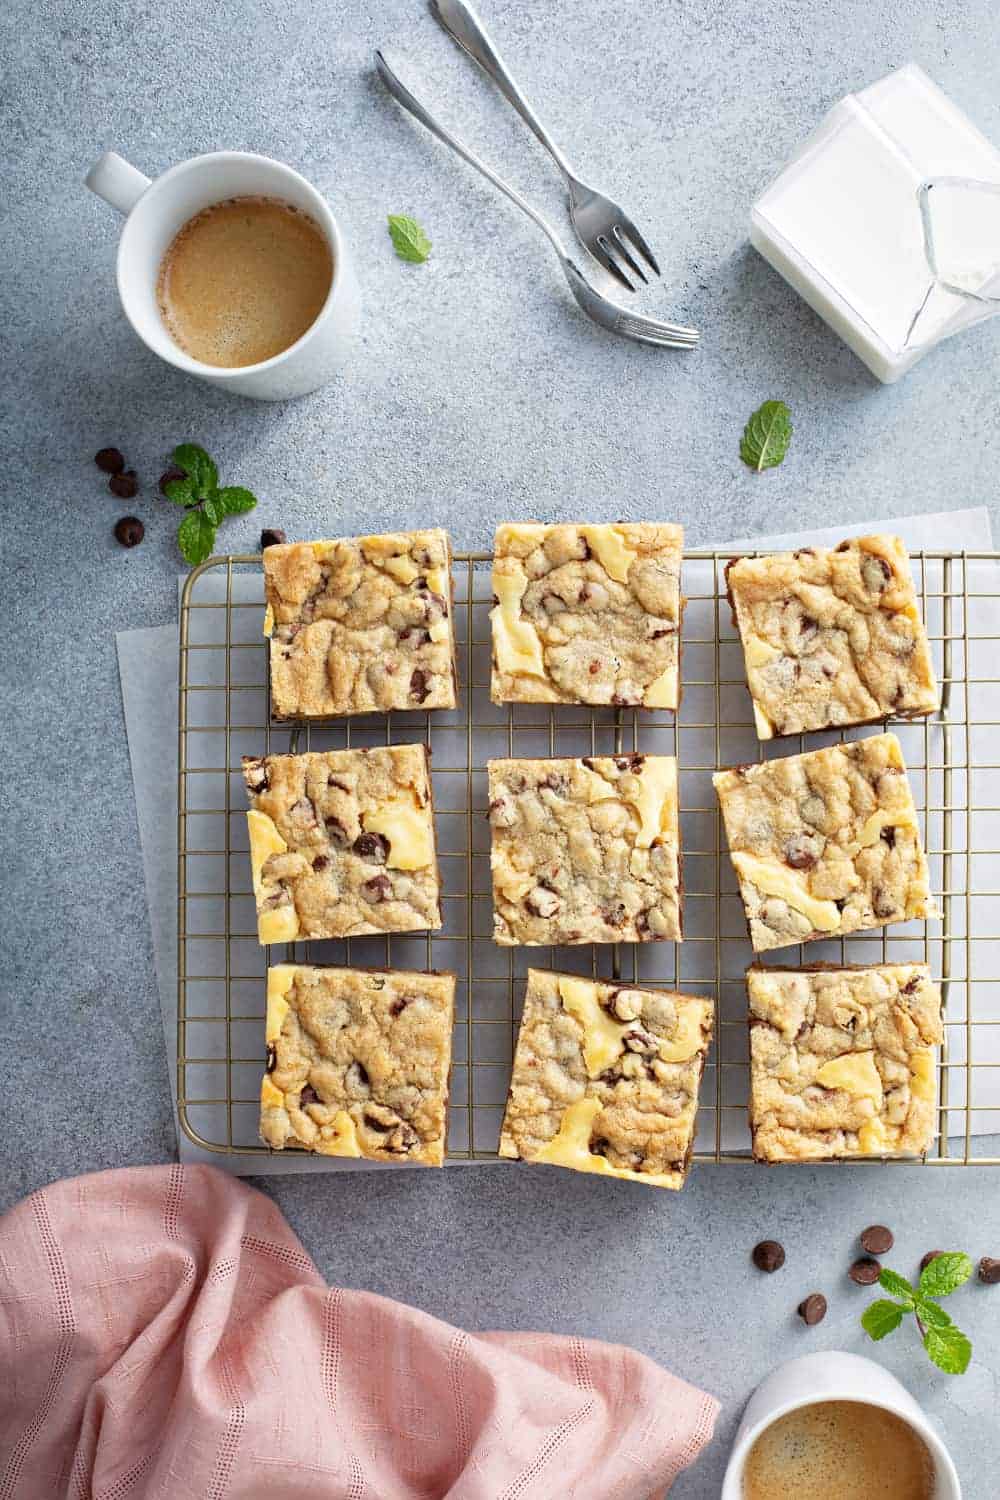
(335, 831)
(255, 774)
(419, 687)
(877, 1240)
(800, 854)
(925, 1260)
(632, 763)
(271, 537)
(124, 486)
(129, 531)
(110, 460)
(415, 635)
(399, 1005)
(320, 862)
(379, 888)
(989, 1270)
(308, 1095)
(888, 835)
(865, 1272)
(374, 1123)
(272, 1057)
(168, 477)
(883, 902)
(812, 1309)
(373, 847)
(768, 1256)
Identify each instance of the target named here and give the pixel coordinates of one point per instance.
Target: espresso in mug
(841, 1448)
(243, 280)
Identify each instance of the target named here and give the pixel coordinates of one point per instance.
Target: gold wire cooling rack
(224, 713)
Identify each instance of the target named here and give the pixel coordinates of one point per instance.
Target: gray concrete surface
(477, 392)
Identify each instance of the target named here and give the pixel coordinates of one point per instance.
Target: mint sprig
(945, 1344)
(408, 239)
(766, 436)
(206, 504)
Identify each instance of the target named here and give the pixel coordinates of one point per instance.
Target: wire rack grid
(224, 713)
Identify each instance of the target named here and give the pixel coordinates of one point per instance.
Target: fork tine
(625, 226)
(623, 250)
(650, 331)
(598, 249)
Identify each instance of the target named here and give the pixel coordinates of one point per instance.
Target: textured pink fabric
(163, 1333)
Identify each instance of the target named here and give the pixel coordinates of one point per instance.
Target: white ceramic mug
(833, 1376)
(156, 210)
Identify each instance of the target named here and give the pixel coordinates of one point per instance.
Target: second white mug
(155, 211)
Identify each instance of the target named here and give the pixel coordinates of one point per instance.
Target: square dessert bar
(825, 843)
(585, 851)
(606, 1078)
(832, 637)
(360, 625)
(342, 843)
(842, 1061)
(587, 614)
(358, 1062)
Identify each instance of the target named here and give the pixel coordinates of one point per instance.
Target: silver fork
(601, 225)
(598, 307)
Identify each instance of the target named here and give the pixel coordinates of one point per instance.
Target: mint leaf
(949, 1349)
(180, 491)
(882, 1317)
(932, 1314)
(944, 1273)
(196, 537)
(235, 500)
(896, 1286)
(409, 240)
(766, 436)
(213, 509)
(199, 468)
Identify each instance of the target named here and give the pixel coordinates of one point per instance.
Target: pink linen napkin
(163, 1334)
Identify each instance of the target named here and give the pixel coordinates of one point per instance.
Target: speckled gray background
(477, 391)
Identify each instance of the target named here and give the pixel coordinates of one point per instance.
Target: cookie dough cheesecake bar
(825, 843)
(358, 1062)
(832, 636)
(587, 614)
(342, 843)
(585, 851)
(842, 1061)
(360, 625)
(606, 1077)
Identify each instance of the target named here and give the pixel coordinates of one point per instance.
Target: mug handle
(117, 181)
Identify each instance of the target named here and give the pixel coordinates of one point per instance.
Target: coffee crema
(845, 1449)
(244, 279)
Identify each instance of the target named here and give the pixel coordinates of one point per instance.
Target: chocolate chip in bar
(110, 460)
(865, 1272)
(812, 1309)
(989, 1270)
(769, 1256)
(877, 1240)
(925, 1260)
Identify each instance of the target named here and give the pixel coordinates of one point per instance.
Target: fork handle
(460, 20)
(410, 102)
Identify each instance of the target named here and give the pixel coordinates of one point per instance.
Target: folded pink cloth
(163, 1334)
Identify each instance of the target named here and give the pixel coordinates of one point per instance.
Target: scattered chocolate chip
(271, 537)
(168, 476)
(925, 1260)
(419, 687)
(989, 1270)
(876, 1239)
(124, 486)
(800, 853)
(272, 1057)
(865, 1272)
(812, 1309)
(110, 460)
(769, 1256)
(320, 862)
(129, 531)
(308, 1095)
(373, 847)
(888, 835)
(255, 774)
